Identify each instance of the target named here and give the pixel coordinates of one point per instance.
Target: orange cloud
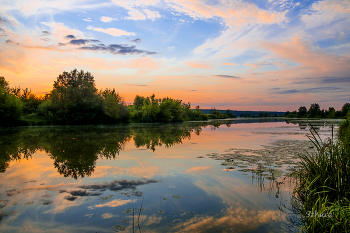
(195, 169)
(234, 13)
(303, 53)
(196, 65)
(236, 219)
(228, 64)
(113, 203)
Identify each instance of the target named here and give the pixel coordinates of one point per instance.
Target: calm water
(222, 176)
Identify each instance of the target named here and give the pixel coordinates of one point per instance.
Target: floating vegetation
(177, 196)
(127, 211)
(119, 228)
(105, 198)
(200, 157)
(164, 198)
(125, 220)
(161, 211)
(15, 203)
(267, 161)
(31, 181)
(29, 203)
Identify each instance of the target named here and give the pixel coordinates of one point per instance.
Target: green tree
(74, 99)
(314, 110)
(230, 114)
(11, 107)
(113, 106)
(302, 111)
(331, 112)
(345, 109)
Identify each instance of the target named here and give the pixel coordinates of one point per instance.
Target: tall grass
(323, 193)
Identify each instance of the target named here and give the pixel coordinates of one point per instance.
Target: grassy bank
(323, 191)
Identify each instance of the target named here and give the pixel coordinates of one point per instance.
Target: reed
(323, 191)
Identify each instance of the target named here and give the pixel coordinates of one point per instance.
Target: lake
(217, 176)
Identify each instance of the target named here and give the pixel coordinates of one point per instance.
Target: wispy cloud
(308, 90)
(107, 19)
(138, 40)
(69, 37)
(117, 49)
(197, 65)
(112, 31)
(137, 85)
(82, 41)
(229, 64)
(87, 20)
(196, 169)
(226, 76)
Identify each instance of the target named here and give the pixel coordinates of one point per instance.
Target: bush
(11, 108)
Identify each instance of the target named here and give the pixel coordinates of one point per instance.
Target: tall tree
(345, 109)
(302, 111)
(11, 107)
(75, 99)
(314, 110)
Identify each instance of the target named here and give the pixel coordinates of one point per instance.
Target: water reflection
(75, 150)
(178, 189)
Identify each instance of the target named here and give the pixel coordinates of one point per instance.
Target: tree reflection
(75, 150)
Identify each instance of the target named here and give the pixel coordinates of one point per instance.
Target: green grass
(324, 185)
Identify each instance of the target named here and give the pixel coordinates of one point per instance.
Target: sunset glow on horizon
(273, 55)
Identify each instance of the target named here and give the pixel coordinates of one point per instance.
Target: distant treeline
(75, 100)
(249, 113)
(315, 112)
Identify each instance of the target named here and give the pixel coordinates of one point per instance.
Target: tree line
(316, 112)
(75, 100)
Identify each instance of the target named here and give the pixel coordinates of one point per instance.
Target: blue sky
(244, 55)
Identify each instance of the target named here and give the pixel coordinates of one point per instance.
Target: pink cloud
(196, 65)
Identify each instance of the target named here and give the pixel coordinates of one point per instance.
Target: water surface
(219, 176)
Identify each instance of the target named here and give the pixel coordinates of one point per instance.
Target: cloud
(137, 85)
(107, 215)
(335, 80)
(322, 80)
(69, 37)
(308, 57)
(2, 20)
(45, 32)
(137, 9)
(118, 185)
(226, 76)
(70, 198)
(138, 40)
(152, 15)
(196, 65)
(244, 220)
(112, 31)
(113, 203)
(117, 49)
(325, 12)
(82, 41)
(107, 19)
(309, 90)
(195, 169)
(83, 193)
(234, 13)
(228, 64)
(87, 20)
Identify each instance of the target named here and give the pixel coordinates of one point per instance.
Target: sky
(274, 55)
